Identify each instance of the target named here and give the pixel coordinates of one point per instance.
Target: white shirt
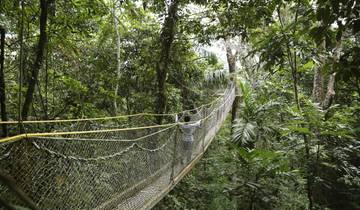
(188, 130)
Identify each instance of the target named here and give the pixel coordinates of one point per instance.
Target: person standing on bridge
(188, 129)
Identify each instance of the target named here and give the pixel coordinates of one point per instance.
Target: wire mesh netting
(108, 168)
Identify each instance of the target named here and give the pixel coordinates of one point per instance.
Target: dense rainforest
(291, 140)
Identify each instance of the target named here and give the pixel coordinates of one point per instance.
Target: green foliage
(253, 125)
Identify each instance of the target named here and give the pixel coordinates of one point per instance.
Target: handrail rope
(129, 140)
(107, 118)
(124, 140)
(105, 157)
(29, 135)
(108, 140)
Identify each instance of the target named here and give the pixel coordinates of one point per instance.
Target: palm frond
(244, 132)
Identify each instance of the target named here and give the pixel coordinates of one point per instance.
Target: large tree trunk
(166, 38)
(38, 61)
(118, 65)
(2, 81)
(231, 59)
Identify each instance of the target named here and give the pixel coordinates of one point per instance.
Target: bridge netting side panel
(109, 169)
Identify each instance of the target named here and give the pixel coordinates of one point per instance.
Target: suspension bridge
(102, 163)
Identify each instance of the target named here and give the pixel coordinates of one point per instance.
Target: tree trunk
(318, 85)
(52, 12)
(166, 38)
(38, 61)
(231, 59)
(330, 93)
(118, 67)
(2, 81)
(46, 100)
(295, 88)
(21, 62)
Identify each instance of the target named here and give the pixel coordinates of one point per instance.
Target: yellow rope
(110, 140)
(29, 135)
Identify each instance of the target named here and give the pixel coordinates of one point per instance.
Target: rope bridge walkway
(101, 163)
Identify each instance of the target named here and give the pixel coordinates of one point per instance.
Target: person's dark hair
(187, 118)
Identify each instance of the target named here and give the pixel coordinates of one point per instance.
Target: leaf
(297, 129)
(244, 132)
(307, 66)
